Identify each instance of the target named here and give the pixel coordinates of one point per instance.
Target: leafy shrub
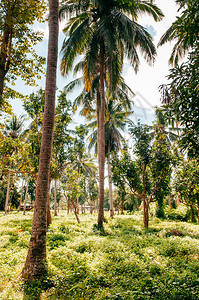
(56, 240)
(178, 214)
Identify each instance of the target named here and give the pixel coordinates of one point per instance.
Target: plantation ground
(126, 262)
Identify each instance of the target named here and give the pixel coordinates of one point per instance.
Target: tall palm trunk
(101, 146)
(7, 194)
(35, 265)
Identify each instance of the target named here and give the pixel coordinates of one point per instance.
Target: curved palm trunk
(35, 264)
(101, 146)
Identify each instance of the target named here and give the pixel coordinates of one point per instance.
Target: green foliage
(178, 214)
(184, 31)
(187, 183)
(14, 194)
(128, 262)
(18, 57)
(183, 105)
(147, 176)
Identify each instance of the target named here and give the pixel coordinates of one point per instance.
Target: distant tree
(142, 176)
(187, 184)
(73, 190)
(116, 119)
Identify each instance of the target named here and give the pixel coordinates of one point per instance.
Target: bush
(178, 214)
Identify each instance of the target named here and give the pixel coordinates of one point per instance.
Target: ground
(125, 261)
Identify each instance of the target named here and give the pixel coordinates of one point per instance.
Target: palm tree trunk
(25, 200)
(55, 198)
(7, 193)
(21, 198)
(101, 146)
(35, 264)
(110, 184)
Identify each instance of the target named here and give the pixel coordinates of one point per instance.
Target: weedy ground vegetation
(124, 261)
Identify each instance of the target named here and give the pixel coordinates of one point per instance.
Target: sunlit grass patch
(126, 262)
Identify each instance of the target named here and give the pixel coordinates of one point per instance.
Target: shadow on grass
(33, 290)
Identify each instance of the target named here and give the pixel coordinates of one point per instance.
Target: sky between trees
(145, 83)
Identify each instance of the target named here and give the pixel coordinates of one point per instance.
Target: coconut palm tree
(12, 133)
(116, 119)
(35, 266)
(162, 126)
(106, 31)
(88, 101)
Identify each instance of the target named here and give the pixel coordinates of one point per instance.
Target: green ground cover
(125, 262)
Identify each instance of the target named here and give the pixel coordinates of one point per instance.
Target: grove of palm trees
(97, 201)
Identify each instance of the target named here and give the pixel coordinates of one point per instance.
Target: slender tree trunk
(25, 200)
(75, 212)
(7, 193)
(55, 198)
(68, 203)
(2, 78)
(198, 210)
(146, 213)
(91, 207)
(192, 214)
(5, 52)
(122, 208)
(21, 198)
(101, 146)
(170, 202)
(178, 199)
(49, 217)
(35, 264)
(110, 186)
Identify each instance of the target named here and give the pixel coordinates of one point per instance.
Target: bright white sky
(145, 83)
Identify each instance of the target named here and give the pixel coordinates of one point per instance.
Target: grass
(125, 261)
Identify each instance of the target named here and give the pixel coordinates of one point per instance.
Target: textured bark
(35, 264)
(7, 194)
(25, 200)
(101, 146)
(75, 212)
(5, 52)
(2, 78)
(91, 207)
